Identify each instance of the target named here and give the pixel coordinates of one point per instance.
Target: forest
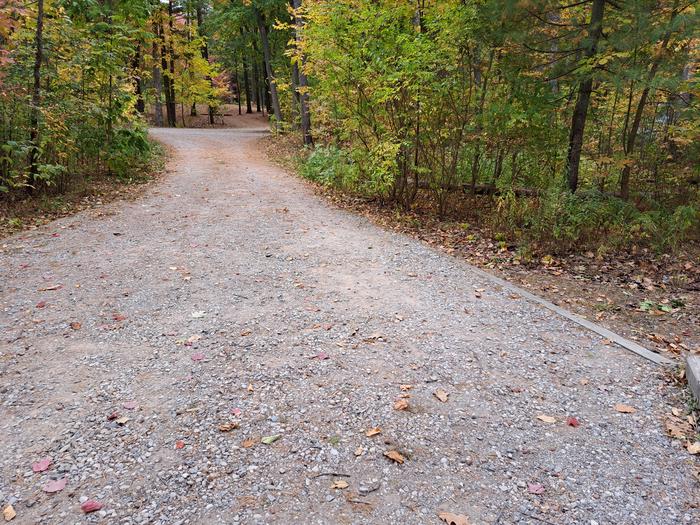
(563, 125)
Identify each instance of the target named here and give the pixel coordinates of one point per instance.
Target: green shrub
(330, 166)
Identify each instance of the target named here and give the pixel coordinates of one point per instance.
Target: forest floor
(231, 349)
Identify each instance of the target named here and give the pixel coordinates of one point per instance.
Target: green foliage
(330, 166)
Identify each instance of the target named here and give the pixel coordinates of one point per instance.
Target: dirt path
(231, 294)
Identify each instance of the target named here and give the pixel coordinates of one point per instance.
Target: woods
(563, 123)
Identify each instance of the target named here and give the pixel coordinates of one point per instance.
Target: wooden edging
(612, 336)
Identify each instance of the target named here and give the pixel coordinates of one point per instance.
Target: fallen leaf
(228, 427)
(359, 451)
(250, 388)
(676, 412)
(453, 519)
(197, 356)
(236, 411)
(90, 506)
(42, 465)
(41, 304)
(340, 484)
(245, 333)
(373, 432)
(395, 456)
(114, 415)
(130, 405)
(119, 317)
(55, 485)
(546, 419)
(405, 388)
(198, 315)
(625, 409)
(401, 404)
(75, 325)
(694, 448)
(9, 513)
(51, 288)
(248, 443)
(535, 488)
(269, 440)
(122, 420)
(572, 421)
(441, 395)
(179, 444)
(322, 356)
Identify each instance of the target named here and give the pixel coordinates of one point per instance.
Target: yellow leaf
(339, 484)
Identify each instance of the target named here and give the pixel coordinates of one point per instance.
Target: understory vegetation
(558, 125)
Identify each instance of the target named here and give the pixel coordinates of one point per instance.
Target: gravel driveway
(218, 351)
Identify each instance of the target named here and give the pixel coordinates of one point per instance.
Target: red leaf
(114, 415)
(236, 411)
(90, 506)
(322, 356)
(55, 485)
(572, 421)
(198, 356)
(119, 317)
(179, 444)
(535, 488)
(41, 465)
(130, 405)
(55, 235)
(41, 304)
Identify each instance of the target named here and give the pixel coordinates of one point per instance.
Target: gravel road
(217, 351)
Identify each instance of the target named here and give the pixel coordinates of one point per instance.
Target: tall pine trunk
(267, 54)
(578, 119)
(157, 80)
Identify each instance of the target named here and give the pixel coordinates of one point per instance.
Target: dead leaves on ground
(453, 519)
(441, 395)
(9, 513)
(340, 484)
(395, 456)
(625, 409)
(401, 404)
(228, 427)
(683, 429)
(546, 419)
(373, 431)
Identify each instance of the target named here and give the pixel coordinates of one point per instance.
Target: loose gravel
(230, 305)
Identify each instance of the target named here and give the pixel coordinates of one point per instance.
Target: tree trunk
(578, 120)
(246, 83)
(36, 96)
(305, 114)
(167, 80)
(268, 67)
(256, 86)
(172, 109)
(138, 88)
(157, 81)
(205, 54)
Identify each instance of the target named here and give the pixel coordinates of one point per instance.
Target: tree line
(575, 120)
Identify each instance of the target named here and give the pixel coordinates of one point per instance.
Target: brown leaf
(248, 443)
(453, 519)
(546, 419)
(340, 484)
(373, 432)
(179, 444)
(400, 404)
(228, 427)
(405, 388)
(694, 448)
(625, 409)
(359, 451)
(441, 395)
(395, 456)
(75, 325)
(9, 513)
